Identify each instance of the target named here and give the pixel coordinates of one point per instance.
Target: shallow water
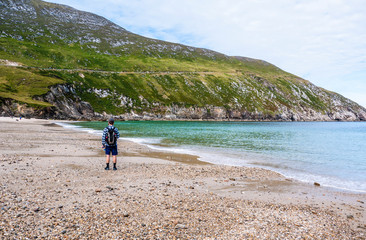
(331, 153)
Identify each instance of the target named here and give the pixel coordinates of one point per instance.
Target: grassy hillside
(22, 85)
(185, 81)
(117, 71)
(118, 93)
(75, 56)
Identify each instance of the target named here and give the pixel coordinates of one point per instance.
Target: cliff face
(58, 62)
(68, 105)
(74, 108)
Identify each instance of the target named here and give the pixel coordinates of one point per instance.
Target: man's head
(111, 121)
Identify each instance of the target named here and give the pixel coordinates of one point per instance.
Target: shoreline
(197, 153)
(170, 185)
(139, 118)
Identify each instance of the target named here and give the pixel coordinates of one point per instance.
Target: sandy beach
(53, 186)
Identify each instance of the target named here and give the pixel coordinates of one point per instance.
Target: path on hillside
(17, 65)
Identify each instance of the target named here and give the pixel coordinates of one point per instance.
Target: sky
(323, 41)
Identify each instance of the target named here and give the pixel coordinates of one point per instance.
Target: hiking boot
(114, 168)
(106, 168)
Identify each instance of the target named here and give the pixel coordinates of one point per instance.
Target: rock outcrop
(11, 108)
(68, 105)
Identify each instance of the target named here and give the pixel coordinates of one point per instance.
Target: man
(109, 142)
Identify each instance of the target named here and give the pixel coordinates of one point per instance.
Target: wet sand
(53, 185)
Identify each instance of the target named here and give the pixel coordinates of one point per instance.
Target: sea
(330, 153)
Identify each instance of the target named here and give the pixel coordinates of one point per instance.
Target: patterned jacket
(105, 132)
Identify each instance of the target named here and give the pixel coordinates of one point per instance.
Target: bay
(331, 153)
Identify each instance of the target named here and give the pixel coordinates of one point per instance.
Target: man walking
(109, 142)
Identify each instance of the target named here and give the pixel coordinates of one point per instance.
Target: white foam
(79, 128)
(143, 141)
(241, 159)
(327, 181)
(154, 143)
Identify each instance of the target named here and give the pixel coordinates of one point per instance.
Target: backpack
(111, 137)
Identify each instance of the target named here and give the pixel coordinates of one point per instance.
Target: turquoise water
(331, 153)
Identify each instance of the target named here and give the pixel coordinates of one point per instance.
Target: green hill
(74, 64)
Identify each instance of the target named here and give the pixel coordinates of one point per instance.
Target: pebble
(181, 226)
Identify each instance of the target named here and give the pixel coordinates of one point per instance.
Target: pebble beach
(53, 186)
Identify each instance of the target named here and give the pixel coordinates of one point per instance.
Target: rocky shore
(53, 186)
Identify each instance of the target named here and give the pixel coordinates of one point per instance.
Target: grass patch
(22, 85)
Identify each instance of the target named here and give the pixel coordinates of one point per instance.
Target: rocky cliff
(67, 105)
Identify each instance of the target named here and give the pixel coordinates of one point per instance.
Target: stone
(181, 226)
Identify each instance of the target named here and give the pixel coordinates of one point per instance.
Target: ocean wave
(79, 128)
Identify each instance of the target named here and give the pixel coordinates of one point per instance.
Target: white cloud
(320, 40)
